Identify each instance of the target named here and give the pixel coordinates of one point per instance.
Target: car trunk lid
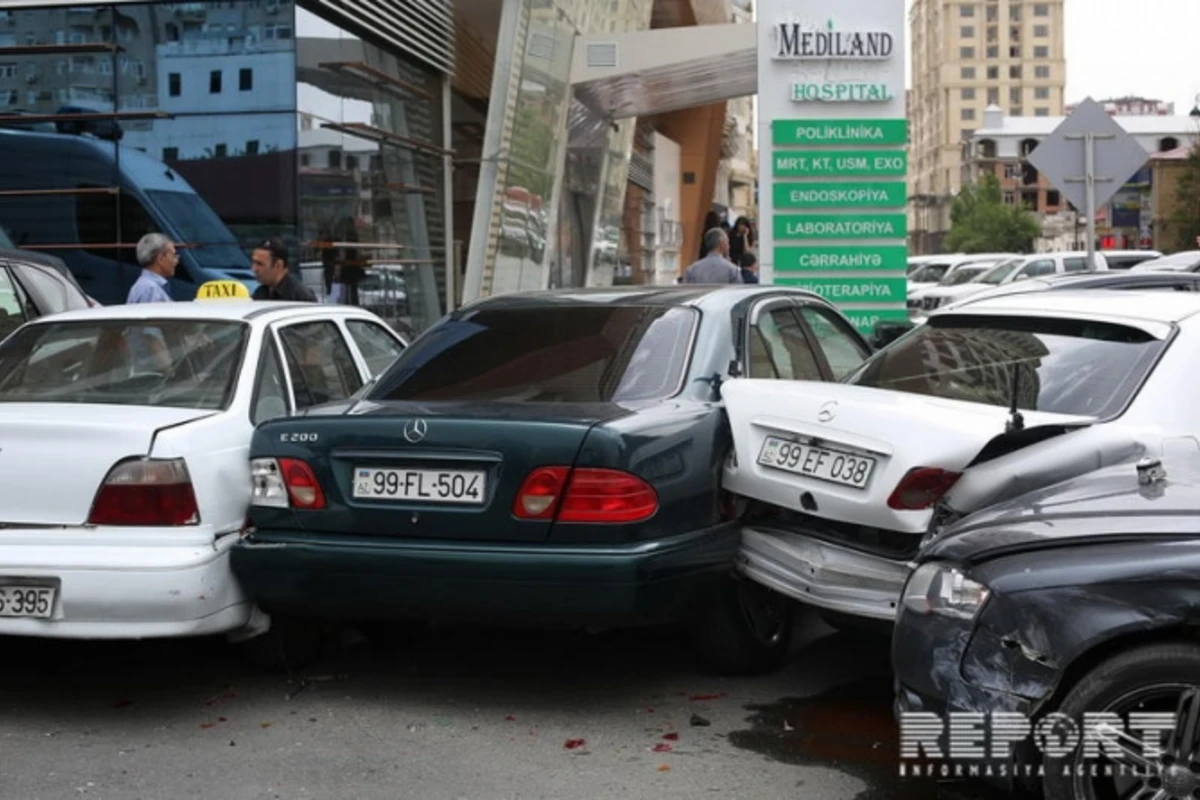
(839, 451)
(54, 456)
(445, 470)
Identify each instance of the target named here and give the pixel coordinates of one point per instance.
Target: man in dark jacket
(269, 262)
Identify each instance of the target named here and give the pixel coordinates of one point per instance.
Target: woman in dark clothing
(741, 239)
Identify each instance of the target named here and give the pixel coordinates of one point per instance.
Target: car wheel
(1154, 678)
(290, 644)
(748, 630)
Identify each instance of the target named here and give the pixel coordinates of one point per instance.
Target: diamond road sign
(1061, 156)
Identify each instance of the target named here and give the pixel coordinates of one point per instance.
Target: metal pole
(1089, 168)
(448, 194)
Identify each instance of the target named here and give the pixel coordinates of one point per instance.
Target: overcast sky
(1149, 48)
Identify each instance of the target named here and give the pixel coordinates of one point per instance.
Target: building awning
(657, 71)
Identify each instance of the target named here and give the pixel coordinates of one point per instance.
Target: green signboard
(849, 163)
(865, 319)
(846, 257)
(841, 226)
(841, 131)
(842, 291)
(876, 194)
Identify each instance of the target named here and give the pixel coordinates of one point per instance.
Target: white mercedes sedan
(124, 467)
(981, 404)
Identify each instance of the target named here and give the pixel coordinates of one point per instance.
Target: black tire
(727, 638)
(1112, 679)
(291, 643)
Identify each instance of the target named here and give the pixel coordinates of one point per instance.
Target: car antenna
(1016, 422)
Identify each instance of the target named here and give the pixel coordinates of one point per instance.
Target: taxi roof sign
(222, 290)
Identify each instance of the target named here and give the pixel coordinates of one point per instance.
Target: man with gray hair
(716, 266)
(156, 253)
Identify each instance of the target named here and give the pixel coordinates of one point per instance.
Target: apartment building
(967, 56)
(1001, 147)
(1131, 106)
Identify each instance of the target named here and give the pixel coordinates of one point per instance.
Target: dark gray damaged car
(1080, 598)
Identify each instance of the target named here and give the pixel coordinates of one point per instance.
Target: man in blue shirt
(156, 253)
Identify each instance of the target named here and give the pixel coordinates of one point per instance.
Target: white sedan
(124, 436)
(980, 404)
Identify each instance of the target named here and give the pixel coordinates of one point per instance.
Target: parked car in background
(546, 457)
(1080, 598)
(936, 270)
(1127, 259)
(981, 403)
(965, 275)
(125, 434)
(34, 285)
(889, 331)
(1009, 271)
(1186, 261)
(79, 226)
(914, 262)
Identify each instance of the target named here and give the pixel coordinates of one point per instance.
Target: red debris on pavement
(574, 744)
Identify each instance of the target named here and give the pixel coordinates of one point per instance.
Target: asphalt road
(455, 713)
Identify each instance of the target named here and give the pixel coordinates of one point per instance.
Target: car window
(842, 349)
(1075, 264)
(175, 363)
(270, 389)
(782, 349)
(1061, 365)
(54, 290)
(12, 304)
(378, 347)
(1036, 269)
(319, 362)
(546, 353)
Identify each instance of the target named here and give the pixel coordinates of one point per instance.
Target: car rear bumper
(352, 577)
(123, 591)
(822, 574)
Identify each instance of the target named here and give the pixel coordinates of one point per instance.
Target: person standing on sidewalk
(716, 266)
(158, 259)
(269, 262)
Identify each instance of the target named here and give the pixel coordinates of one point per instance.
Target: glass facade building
(264, 118)
(410, 153)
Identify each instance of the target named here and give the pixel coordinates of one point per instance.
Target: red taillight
(921, 488)
(302, 486)
(585, 495)
(607, 495)
(146, 492)
(538, 496)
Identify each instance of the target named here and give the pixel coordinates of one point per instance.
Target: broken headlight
(943, 589)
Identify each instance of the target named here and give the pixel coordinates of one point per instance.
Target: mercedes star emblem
(415, 430)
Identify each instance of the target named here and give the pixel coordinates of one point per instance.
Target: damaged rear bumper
(816, 572)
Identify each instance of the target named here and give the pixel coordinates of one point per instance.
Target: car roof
(1134, 305)
(688, 294)
(232, 310)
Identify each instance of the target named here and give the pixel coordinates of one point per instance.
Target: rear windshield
(546, 354)
(930, 273)
(963, 275)
(175, 363)
(998, 273)
(1063, 366)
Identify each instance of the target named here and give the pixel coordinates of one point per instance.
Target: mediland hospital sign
(833, 166)
(796, 43)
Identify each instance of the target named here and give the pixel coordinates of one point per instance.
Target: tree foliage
(980, 222)
(1185, 219)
